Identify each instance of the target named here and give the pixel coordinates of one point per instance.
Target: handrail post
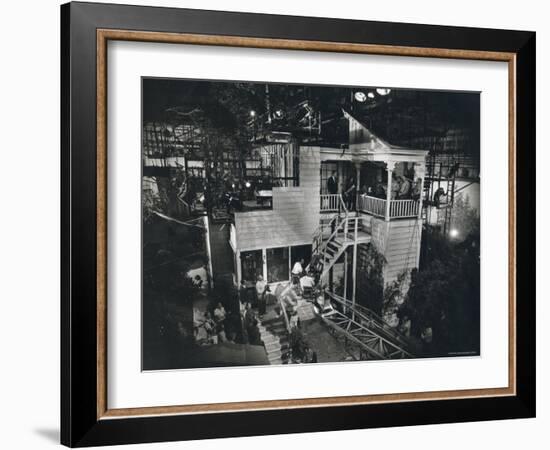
(345, 229)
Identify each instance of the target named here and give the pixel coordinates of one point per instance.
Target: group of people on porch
(401, 188)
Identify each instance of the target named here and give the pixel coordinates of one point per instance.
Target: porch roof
(364, 145)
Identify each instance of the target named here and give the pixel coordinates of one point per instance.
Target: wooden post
(389, 168)
(264, 264)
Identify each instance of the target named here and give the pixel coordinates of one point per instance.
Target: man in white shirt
(297, 272)
(261, 287)
(298, 268)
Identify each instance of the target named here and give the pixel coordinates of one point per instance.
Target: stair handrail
(342, 205)
(372, 318)
(324, 244)
(402, 345)
(282, 306)
(342, 225)
(318, 234)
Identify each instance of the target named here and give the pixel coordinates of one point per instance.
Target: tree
(370, 279)
(465, 219)
(445, 295)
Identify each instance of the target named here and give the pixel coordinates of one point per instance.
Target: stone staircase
(274, 336)
(305, 311)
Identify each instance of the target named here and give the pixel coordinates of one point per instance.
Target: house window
(299, 252)
(251, 265)
(277, 264)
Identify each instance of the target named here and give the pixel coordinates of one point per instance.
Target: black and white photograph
(298, 224)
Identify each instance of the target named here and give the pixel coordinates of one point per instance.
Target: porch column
(390, 165)
(357, 184)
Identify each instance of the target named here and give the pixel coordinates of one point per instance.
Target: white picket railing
(398, 208)
(403, 208)
(330, 202)
(372, 205)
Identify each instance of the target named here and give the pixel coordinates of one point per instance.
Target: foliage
(445, 294)
(298, 344)
(393, 292)
(465, 219)
(152, 202)
(370, 292)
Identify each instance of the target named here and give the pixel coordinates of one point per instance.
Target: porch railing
(332, 203)
(403, 208)
(372, 205)
(398, 208)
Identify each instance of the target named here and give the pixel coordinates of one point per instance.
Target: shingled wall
(295, 213)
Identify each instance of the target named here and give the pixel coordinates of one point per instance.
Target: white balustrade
(398, 208)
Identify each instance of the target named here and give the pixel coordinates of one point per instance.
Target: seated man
(298, 269)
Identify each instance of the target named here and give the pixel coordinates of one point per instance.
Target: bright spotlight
(360, 96)
(383, 91)
(370, 95)
(252, 113)
(247, 184)
(453, 233)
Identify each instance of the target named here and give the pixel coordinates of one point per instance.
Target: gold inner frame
(104, 35)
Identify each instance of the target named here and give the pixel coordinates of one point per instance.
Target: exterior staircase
(274, 335)
(305, 311)
(344, 231)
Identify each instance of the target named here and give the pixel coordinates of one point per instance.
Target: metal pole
(354, 269)
(345, 277)
(357, 184)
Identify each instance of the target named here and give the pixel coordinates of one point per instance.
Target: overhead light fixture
(247, 184)
(370, 95)
(279, 114)
(360, 96)
(453, 233)
(252, 113)
(383, 91)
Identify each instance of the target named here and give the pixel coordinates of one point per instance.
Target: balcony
(398, 209)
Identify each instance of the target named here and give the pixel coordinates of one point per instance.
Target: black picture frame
(80, 425)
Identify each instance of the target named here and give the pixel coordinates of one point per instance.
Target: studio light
(360, 96)
(252, 113)
(383, 91)
(453, 233)
(278, 114)
(370, 95)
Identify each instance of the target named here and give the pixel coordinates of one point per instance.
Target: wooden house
(306, 220)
